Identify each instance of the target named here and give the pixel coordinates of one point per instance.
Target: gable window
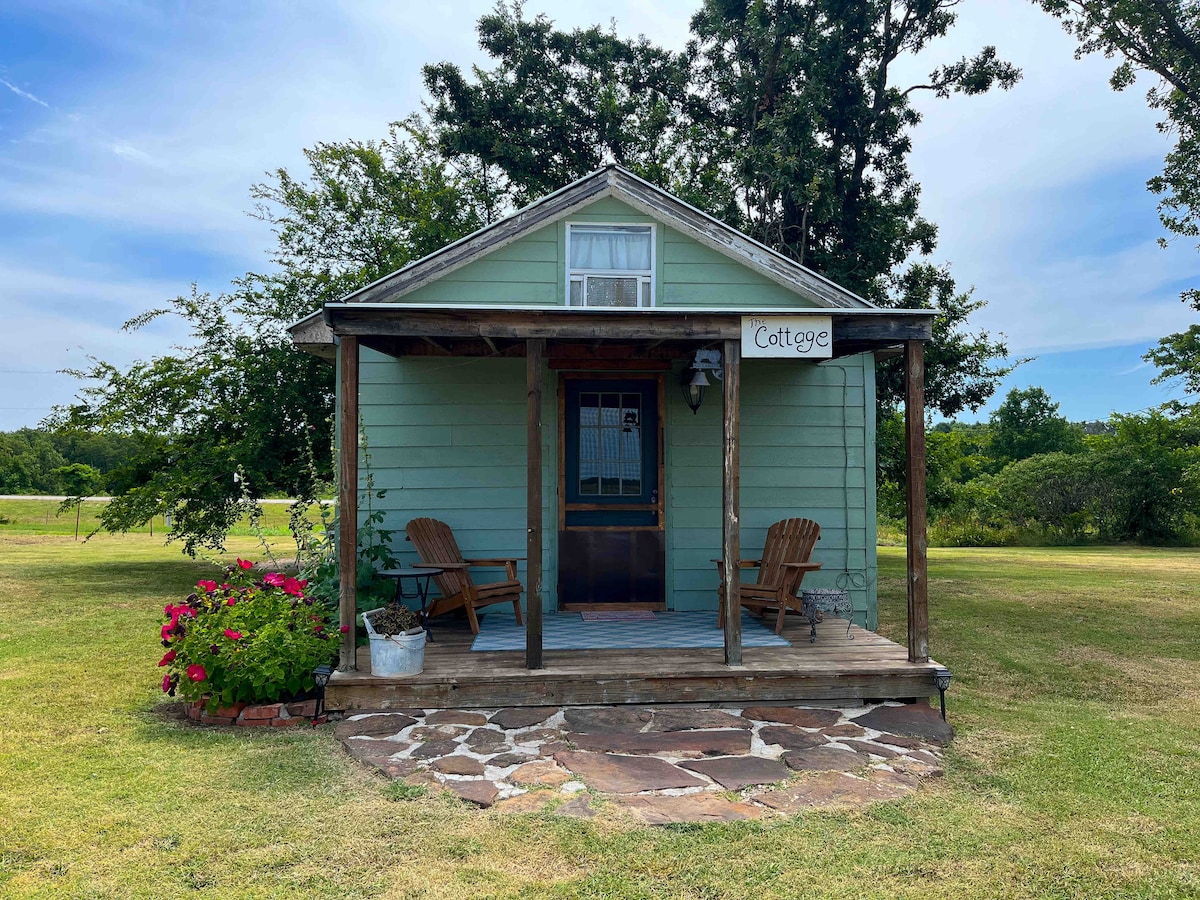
(610, 265)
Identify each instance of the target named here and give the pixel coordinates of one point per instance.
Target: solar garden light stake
(941, 680)
(320, 680)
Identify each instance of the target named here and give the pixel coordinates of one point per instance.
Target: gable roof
(613, 181)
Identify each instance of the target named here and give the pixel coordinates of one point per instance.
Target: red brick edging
(264, 715)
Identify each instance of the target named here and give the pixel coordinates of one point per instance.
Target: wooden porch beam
(643, 326)
(347, 497)
(534, 350)
(730, 503)
(914, 440)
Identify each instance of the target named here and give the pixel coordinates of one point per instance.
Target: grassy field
(1076, 773)
(36, 516)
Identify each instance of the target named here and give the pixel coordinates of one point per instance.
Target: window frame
(648, 276)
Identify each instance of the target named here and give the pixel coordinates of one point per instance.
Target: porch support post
(914, 440)
(347, 496)
(534, 351)
(730, 502)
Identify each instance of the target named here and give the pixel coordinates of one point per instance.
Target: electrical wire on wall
(849, 579)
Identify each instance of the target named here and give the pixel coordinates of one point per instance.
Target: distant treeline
(33, 461)
(1028, 476)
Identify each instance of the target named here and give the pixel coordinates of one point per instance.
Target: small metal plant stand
(834, 601)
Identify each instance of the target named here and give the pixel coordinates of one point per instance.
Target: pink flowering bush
(253, 641)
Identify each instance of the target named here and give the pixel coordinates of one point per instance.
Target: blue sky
(131, 132)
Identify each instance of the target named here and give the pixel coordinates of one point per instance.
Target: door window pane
(610, 444)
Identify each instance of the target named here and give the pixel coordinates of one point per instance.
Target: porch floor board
(833, 669)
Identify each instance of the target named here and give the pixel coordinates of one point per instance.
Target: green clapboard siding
(532, 270)
(799, 458)
(446, 439)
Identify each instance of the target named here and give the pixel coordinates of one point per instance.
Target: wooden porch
(540, 335)
(835, 668)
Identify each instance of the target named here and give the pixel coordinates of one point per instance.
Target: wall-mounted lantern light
(694, 381)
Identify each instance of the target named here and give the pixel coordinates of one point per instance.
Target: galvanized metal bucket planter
(395, 655)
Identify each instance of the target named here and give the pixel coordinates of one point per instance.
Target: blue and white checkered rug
(668, 631)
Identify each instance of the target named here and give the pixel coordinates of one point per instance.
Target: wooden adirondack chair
(435, 544)
(785, 560)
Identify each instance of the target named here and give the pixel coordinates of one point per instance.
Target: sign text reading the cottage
(804, 337)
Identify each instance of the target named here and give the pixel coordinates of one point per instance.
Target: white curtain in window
(625, 249)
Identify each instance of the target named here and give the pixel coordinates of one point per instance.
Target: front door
(611, 538)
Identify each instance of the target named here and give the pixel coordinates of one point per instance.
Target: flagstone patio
(658, 764)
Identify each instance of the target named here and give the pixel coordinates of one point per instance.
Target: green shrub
(246, 641)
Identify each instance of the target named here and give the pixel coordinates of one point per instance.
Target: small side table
(831, 600)
(419, 576)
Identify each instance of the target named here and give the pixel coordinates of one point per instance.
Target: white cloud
(1038, 192)
(54, 321)
(25, 94)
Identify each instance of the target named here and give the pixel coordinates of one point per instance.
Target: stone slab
(658, 810)
(537, 736)
(457, 764)
(393, 768)
(425, 779)
(788, 715)
(867, 747)
(673, 743)
(504, 760)
(455, 717)
(373, 726)
(522, 716)
(826, 790)
(919, 720)
(789, 737)
(486, 740)
(544, 773)
(736, 772)
(613, 774)
(846, 729)
(529, 802)
(687, 718)
(593, 720)
(431, 749)
(917, 767)
(437, 732)
(578, 807)
(360, 748)
(825, 759)
(474, 790)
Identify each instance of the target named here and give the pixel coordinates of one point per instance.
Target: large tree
(780, 118)
(238, 413)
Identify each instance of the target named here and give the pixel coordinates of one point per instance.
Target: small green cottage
(674, 387)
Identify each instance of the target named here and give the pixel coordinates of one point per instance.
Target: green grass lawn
(35, 516)
(1076, 773)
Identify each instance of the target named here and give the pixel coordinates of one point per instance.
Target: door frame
(625, 374)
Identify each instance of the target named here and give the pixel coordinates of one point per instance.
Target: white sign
(788, 337)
